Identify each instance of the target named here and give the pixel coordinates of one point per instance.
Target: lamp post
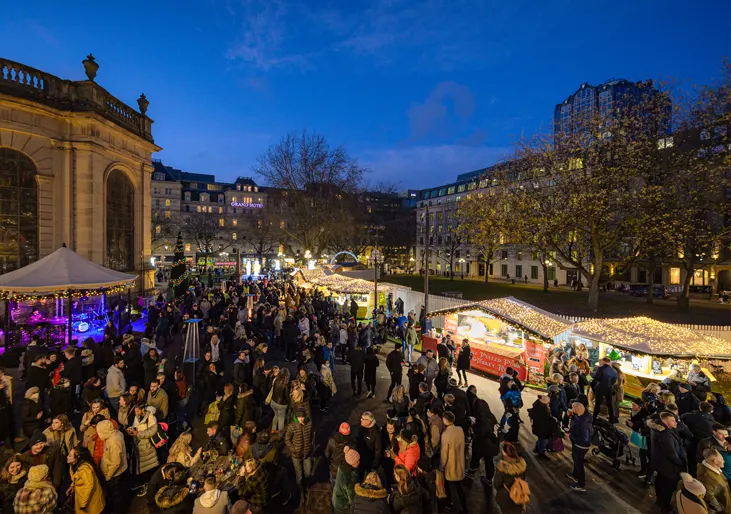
(461, 266)
(376, 258)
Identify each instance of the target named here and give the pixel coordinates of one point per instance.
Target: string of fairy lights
(74, 293)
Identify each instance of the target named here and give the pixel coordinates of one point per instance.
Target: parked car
(658, 291)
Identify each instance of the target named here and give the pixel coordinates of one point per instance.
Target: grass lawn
(564, 301)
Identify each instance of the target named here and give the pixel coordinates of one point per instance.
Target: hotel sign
(248, 205)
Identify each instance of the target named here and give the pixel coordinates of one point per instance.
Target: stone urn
(143, 103)
(90, 66)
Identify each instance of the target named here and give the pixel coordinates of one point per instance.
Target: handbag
(639, 440)
(160, 438)
(268, 399)
(555, 444)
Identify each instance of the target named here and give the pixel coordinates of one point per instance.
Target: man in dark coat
(394, 361)
(37, 374)
(604, 379)
(484, 443)
(686, 400)
(700, 423)
(369, 443)
(460, 396)
(667, 457)
(31, 351)
(134, 372)
(357, 367)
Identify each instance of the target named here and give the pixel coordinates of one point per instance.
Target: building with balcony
(75, 168)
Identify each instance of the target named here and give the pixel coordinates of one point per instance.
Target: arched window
(18, 210)
(120, 222)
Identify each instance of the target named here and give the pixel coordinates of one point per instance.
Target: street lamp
(376, 258)
(461, 266)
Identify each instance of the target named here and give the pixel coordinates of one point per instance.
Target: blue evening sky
(419, 91)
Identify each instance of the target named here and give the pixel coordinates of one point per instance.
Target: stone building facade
(75, 168)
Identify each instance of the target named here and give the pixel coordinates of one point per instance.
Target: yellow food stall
(649, 350)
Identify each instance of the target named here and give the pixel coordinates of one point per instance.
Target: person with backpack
(580, 432)
(512, 493)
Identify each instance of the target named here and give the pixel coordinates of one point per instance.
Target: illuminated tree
(179, 270)
(482, 227)
(209, 233)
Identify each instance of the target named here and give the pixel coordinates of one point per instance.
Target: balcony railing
(23, 81)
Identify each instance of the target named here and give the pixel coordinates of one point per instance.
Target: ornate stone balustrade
(23, 81)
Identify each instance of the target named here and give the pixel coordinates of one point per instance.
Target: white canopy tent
(62, 271)
(62, 274)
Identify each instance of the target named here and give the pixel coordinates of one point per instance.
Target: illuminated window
(233, 198)
(187, 247)
(675, 276)
(256, 189)
(281, 224)
(233, 236)
(238, 187)
(210, 210)
(157, 229)
(220, 210)
(167, 203)
(235, 222)
(187, 196)
(221, 222)
(198, 208)
(204, 197)
(167, 214)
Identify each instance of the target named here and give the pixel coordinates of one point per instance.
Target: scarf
(14, 479)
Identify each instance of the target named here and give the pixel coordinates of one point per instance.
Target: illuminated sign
(248, 205)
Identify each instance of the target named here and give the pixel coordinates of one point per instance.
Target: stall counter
(489, 359)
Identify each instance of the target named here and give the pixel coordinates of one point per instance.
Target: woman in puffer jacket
(409, 453)
(370, 496)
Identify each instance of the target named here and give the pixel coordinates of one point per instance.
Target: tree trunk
(545, 276)
(650, 280)
(451, 268)
(487, 271)
(594, 282)
(684, 298)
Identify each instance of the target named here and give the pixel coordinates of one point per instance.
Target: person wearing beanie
(335, 450)
(689, 498)
(544, 425)
(38, 494)
(39, 453)
(370, 496)
(345, 481)
(299, 439)
(580, 436)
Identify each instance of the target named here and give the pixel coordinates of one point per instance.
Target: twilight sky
(419, 91)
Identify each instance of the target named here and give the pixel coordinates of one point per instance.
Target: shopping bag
(555, 444)
(640, 441)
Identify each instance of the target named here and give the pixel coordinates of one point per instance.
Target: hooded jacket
(88, 493)
(335, 451)
(343, 492)
(369, 499)
(667, 452)
(409, 456)
(244, 408)
(114, 461)
(506, 473)
(212, 502)
(174, 499)
(146, 428)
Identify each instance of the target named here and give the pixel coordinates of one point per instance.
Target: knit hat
(691, 484)
(545, 400)
(36, 438)
(344, 429)
(128, 337)
(352, 457)
(240, 507)
(425, 464)
(453, 382)
(39, 473)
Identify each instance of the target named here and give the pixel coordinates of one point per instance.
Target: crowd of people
(97, 420)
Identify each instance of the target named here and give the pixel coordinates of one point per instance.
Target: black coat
(667, 453)
(290, 331)
(37, 376)
(371, 362)
(686, 402)
(226, 409)
(464, 358)
(61, 401)
(442, 351)
(369, 445)
(72, 370)
(544, 425)
(415, 378)
(393, 362)
(411, 501)
(29, 416)
(699, 423)
(369, 499)
(357, 361)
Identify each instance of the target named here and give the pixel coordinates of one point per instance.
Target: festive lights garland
(516, 314)
(74, 293)
(648, 336)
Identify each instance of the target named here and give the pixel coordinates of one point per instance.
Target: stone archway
(120, 221)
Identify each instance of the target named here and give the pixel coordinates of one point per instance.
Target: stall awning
(522, 314)
(649, 336)
(63, 270)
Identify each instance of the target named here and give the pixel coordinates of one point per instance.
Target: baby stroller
(611, 442)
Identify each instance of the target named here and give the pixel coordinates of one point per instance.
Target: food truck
(503, 332)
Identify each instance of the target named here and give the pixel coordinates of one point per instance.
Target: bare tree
(208, 233)
(262, 234)
(317, 183)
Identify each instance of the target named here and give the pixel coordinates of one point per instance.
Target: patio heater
(191, 352)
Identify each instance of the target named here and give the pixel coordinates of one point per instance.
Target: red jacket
(409, 457)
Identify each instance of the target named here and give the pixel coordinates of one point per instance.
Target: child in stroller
(611, 442)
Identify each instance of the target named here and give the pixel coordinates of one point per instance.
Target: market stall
(503, 332)
(57, 291)
(345, 289)
(649, 350)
